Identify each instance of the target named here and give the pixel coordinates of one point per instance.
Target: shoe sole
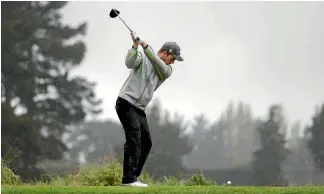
(127, 185)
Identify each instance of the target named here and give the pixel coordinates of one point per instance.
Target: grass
(94, 178)
(160, 189)
(7, 175)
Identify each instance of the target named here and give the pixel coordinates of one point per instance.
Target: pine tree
(268, 159)
(39, 98)
(316, 140)
(170, 142)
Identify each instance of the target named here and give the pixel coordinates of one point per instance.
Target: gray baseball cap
(173, 48)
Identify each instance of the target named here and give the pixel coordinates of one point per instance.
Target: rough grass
(161, 189)
(8, 177)
(105, 178)
(107, 173)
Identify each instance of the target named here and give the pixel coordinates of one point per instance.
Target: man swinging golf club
(148, 71)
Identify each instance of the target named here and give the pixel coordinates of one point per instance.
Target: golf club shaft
(122, 21)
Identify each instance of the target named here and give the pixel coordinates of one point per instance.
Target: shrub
(146, 178)
(68, 180)
(200, 180)
(171, 181)
(8, 177)
(108, 174)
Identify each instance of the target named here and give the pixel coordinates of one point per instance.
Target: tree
(39, 98)
(95, 140)
(200, 126)
(237, 127)
(316, 139)
(299, 164)
(170, 143)
(243, 125)
(227, 143)
(202, 155)
(268, 159)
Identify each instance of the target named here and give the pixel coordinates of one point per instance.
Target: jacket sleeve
(133, 58)
(162, 70)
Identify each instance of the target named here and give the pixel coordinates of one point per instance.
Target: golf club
(114, 13)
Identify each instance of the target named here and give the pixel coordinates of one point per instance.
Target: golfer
(148, 71)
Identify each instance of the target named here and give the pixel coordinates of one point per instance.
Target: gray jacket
(147, 73)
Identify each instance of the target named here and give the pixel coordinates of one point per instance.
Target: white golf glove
(136, 38)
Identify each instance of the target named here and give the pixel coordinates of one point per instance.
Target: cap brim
(178, 58)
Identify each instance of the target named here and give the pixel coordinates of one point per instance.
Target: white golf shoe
(135, 184)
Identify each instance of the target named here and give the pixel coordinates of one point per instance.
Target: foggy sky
(258, 52)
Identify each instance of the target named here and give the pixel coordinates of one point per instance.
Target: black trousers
(138, 139)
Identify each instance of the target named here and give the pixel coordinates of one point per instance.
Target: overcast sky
(258, 52)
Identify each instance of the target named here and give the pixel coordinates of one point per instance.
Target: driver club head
(114, 13)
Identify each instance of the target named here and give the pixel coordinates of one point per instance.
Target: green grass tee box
(160, 189)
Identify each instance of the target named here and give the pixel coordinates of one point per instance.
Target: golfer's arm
(163, 70)
(133, 58)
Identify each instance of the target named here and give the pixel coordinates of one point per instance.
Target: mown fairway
(160, 189)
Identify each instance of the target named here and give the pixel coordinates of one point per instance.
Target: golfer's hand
(136, 39)
(135, 43)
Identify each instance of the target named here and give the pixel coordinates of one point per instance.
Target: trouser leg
(146, 144)
(132, 148)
